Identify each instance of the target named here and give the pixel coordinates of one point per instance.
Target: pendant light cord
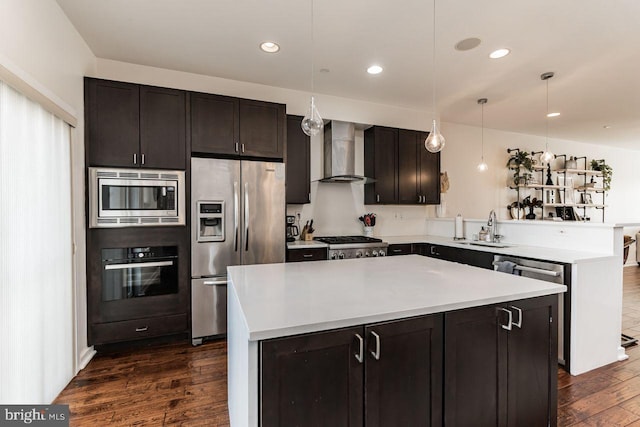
(547, 118)
(312, 51)
(482, 134)
(433, 61)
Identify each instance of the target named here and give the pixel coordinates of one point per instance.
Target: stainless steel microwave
(135, 197)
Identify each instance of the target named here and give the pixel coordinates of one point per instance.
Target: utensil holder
(368, 231)
(308, 236)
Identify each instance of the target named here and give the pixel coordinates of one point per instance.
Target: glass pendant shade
(482, 166)
(312, 122)
(435, 141)
(547, 156)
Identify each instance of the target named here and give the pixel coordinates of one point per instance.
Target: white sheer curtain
(36, 301)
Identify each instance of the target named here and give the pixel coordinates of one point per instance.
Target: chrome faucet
(493, 227)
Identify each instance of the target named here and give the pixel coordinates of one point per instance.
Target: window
(36, 285)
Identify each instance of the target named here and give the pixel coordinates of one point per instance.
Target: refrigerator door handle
(246, 216)
(236, 215)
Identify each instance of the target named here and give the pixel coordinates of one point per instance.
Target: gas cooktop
(345, 247)
(347, 240)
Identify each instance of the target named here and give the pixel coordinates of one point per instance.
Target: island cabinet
(380, 374)
(418, 170)
(501, 363)
(131, 125)
(222, 125)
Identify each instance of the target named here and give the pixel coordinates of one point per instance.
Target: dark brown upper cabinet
(298, 160)
(418, 170)
(130, 125)
(237, 127)
(381, 163)
(405, 172)
(428, 172)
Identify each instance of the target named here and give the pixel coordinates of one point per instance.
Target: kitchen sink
(481, 243)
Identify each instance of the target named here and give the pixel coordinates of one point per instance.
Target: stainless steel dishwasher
(549, 272)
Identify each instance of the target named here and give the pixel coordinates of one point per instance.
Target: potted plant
(521, 160)
(607, 172)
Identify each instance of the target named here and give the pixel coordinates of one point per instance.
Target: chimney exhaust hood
(340, 154)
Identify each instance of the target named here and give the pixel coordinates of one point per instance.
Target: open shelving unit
(568, 201)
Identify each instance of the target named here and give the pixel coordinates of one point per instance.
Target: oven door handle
(137, 265)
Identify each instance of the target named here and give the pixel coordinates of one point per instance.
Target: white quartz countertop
(306, 244)
(294, 298)
(537, 252)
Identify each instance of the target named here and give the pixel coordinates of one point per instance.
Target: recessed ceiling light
(324, 70)
(606, 127)
(553, 114)
(500, 53)
(374, 69)
(468, 44)
(269, 47)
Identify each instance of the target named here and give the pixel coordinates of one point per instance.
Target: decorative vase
(368, 231)
(530, 215)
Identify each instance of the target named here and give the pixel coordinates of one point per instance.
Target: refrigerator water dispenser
(210, 221)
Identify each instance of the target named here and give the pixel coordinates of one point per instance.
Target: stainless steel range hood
(340, 154)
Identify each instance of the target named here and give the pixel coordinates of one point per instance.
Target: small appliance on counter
(292, 228)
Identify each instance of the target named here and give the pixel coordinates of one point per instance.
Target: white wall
(38, 38)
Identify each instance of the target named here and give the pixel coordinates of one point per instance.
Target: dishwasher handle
(535, 270)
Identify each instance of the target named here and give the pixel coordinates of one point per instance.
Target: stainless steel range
(345, 247)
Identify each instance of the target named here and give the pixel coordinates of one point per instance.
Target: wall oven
(135, 197)
(129, 273)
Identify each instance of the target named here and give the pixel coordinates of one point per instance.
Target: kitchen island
(268, 303)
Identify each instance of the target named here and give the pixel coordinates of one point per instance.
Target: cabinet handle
(434, 250)
(135, 159)
(144, 328)
(424, 199)
(378, 198)
(508, 326)
(519, 322)
(242, 147)
(237, 147)
(376, 354)
(419, 199)
(142, 159)
(360, 354)
(395, 251)
(307, 255)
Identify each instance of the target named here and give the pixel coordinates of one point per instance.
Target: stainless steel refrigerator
(237, 217)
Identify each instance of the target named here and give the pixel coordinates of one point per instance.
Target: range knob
(334, 255)
(341, 255)
(367, 254)
(358, 254)
(375, 253)
(381, 253)
(140, 255)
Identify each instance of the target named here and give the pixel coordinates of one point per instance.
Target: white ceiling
(593, 46)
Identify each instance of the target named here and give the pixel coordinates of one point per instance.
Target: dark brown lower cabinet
(375, 375)
(501, 364)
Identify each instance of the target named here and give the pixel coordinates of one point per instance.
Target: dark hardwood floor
(182, 385)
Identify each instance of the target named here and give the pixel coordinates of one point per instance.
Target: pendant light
(312, 122)
(435, 141)
(547, 156)
(482, 166)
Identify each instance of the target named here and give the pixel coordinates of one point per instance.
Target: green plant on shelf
(521, 160)
(607, 171)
